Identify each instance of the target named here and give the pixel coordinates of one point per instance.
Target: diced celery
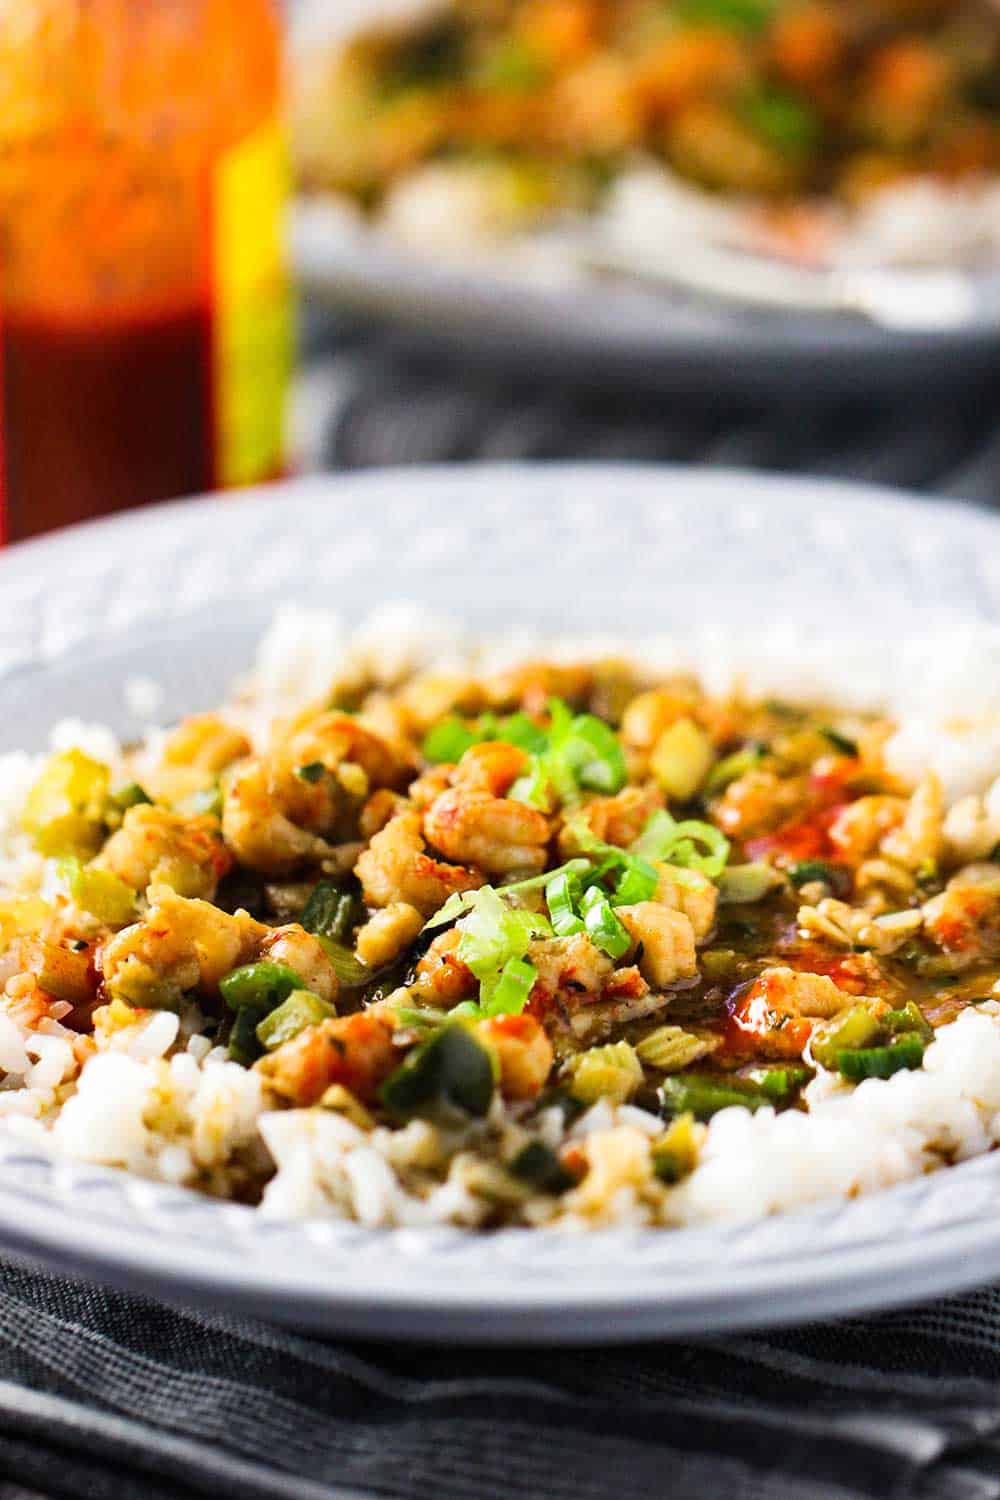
(670, 1048)
(741, 885)
(681, 759)
(613, 1072)
(66, 808)
(101, 893)
(63, 972)
(675, 1154)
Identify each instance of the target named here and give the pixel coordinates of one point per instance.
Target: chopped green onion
(509, 994)
(455, 906)
(577, 751)
(606, 931)
(523, 732)
(592, 896)
(451, 1073)
(535, 786)
(561, 897)
(301, 1009)
(594, 754)
(448, 741)
(260, 986)
(464, 901)
(313, 772)
(638, 882)
(493, 932)
(330, 912)
(538, 882)
(100, 893)
(690, 845)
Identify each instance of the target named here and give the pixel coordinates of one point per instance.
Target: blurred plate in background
(537, 308)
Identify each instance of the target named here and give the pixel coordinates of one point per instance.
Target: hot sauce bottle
(144, 307)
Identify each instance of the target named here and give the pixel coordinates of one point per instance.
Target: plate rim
(365, 273)
(946, 1256)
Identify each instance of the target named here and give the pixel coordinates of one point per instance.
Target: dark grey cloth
(116, 1398)
(379, 400)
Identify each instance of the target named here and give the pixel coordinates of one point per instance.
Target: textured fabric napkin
(112, 1397)
(368, 400)
(117, 1398)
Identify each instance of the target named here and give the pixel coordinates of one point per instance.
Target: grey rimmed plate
(180, 592)
(612, 328)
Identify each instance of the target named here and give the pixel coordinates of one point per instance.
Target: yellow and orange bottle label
(252, 333)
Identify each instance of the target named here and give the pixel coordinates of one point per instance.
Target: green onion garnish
(594, 753)
(638, 882)
(689, 845)
(509, 995)
(448, 741)
(606, 931)
(562, 894)
(522, 731)
(463, 901)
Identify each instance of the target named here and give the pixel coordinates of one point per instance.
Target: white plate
(180, 592)
(535, 319)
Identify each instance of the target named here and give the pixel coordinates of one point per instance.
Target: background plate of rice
(798, 586)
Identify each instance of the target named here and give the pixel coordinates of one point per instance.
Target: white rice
(921, 222)
(164, 1103)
